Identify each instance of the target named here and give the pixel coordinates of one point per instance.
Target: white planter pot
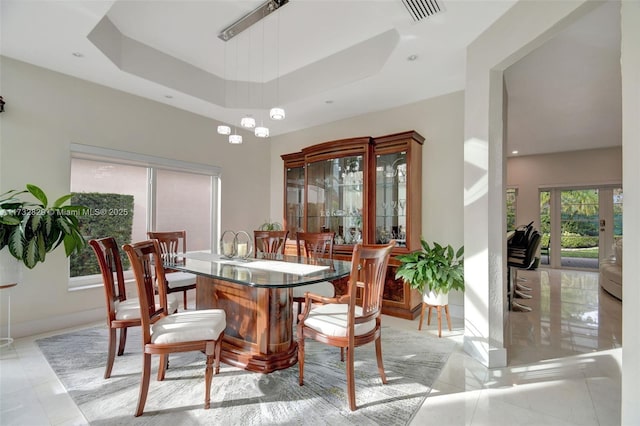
(10, 268)
(433, 299)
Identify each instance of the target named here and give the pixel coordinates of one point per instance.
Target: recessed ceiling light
(78, 54)
(412, 58)
(514, 151)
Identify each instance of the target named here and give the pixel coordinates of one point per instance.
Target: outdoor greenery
(580, 221)
(31, 229)
(436, 268)
(110, 215)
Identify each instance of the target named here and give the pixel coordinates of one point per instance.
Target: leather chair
(314, 245)
(162, 334)
(342, 323)
(269, 244)
(122, 313)
(521, 257)
(171, 244)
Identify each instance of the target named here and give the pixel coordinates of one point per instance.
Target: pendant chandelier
(275, 113)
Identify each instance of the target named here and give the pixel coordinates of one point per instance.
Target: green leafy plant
(30, 229)
(436, 268)
(118, 224)
(270, 226)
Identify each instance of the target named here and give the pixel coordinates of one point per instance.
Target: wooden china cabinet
(366, 190)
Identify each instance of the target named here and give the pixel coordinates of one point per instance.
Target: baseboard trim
(45, 325)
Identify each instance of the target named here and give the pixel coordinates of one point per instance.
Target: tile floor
(564, 367)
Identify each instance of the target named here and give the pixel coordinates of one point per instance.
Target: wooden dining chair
(122, 313)
(340, 322)
(314, 245)
(162, 334)
(269, 244)
(173, 243)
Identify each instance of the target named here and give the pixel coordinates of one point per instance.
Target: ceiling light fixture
(248, 122)
(277, 113)
(262, 132)
(235, 139)
(251, 18)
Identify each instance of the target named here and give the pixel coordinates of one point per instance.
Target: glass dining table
(256, 295)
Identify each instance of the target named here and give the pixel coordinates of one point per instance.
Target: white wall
(47, 111)
(630, 64)
(565, 169)
(439, 120)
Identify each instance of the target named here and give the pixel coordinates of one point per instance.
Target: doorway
(579, 226)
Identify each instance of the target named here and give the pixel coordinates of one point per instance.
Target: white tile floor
(564, 367)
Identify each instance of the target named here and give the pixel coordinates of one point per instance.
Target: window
(129, 194)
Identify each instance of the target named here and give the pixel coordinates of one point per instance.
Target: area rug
(412, 362)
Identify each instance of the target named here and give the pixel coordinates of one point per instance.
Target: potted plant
(433, 271)
(30, 229)
(270, 226)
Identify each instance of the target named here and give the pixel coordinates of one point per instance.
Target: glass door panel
(391, 198)
(294, 214)
(580, 227)
(334, 199)
(545, 227)
(617, 213)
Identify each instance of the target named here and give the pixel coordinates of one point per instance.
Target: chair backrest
(315, 244)
(108, 255)
(171, 243)
(269, 243)
(368, 272)
(146, 262)
(532, 248)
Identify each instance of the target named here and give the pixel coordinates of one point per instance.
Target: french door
(579, 225)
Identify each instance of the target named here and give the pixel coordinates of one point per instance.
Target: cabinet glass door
(295, 200)
(391, 198)
(335, 198)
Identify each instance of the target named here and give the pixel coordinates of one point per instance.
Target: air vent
(420, 9)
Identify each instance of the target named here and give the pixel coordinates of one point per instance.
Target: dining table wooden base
(259, 333)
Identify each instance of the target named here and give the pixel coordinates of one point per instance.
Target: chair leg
(300, 359)
(424, 307)
(216, 366)
(112, 352)
(351, 386)
(383, 376)
(144, 384)
(123, 340)
(162, 366)
(210, 350)
(184, 299)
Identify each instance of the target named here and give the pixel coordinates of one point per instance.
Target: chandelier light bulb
(235, 139)
(248, 122)
(277, 114)
(224, 130)
(262, 132)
